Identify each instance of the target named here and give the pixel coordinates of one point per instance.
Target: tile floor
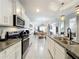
(38, 49)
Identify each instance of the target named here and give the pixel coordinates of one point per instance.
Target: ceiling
(49, 9)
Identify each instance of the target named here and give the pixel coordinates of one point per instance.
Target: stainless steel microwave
(18, 21)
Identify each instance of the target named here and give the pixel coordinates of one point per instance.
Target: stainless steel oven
(24, 36)
(25, 42)
(25, 45)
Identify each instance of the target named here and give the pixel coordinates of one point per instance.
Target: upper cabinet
(18, 8)
(8, 8)
(6, 12)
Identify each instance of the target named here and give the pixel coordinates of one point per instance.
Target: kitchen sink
(66, 41)
(69, 42)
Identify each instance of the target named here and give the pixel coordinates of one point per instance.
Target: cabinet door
(60, 52)
(52, 48)
(3, 55)
(18, 51)
(18, 8)
(48, 42)
(10, 52)
(59, 55)
(1, 12)
(11, 55)
(14, 52)
(7, 12)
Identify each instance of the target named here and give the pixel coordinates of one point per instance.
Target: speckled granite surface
(72, 49)
(8, 43)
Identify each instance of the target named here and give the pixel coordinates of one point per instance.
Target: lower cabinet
(13, 52)
(56, 50)
(59, 54)
(18, 51)
(51, 46)
(10, 56)
(2, 55)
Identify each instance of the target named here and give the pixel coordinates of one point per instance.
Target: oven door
(25, 45)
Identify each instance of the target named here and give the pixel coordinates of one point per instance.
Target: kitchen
(39, 29)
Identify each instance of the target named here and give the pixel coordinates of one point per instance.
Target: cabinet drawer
(59, 55)
(18, 45)
(57, 46)
(10, 49)
(13, 48)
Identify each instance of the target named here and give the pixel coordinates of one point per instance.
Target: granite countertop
(8, 43)
(72, 49)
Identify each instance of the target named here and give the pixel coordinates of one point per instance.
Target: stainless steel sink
(69, 42)
(66, 41)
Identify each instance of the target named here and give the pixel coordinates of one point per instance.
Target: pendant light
(77, 9)
(62, 17)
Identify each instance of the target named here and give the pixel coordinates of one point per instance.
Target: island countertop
(72, 49)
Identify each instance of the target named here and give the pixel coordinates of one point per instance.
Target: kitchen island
(67, 50)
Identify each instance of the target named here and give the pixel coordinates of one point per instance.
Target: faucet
(69, 34)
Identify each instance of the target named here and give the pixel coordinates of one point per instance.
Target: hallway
(38, 49)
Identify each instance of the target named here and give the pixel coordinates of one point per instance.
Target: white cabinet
(18, 51)
(11, 55)
(6, 12)
(51, 46)
(7, 9)
(9, 13)
(59, 52)
(17, 8)
(55, 49)
(13, 52)
(1, 12)
(2, 55)
(27, 21)
(59, 55)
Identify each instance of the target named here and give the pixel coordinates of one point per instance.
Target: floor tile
(38, 50)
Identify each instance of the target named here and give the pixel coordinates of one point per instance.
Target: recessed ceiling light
(37, 10)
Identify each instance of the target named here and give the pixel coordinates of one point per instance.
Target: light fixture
(77, 9)
(18, 10)
(62, 17)
(37, 10)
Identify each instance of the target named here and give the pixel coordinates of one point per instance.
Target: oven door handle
(25, 39)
